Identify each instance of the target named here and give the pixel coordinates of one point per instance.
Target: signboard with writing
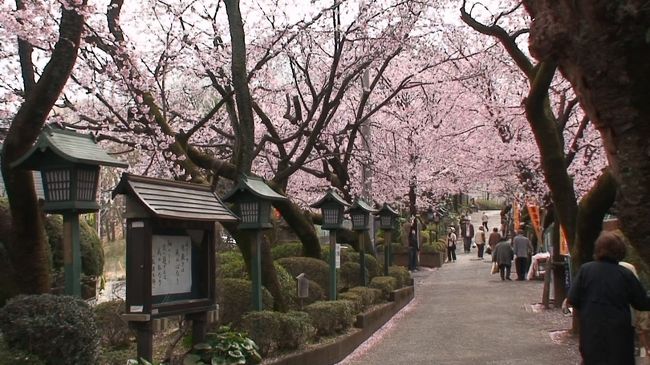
(337, 261)
(171, 264)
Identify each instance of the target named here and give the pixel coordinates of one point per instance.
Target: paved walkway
(462, 314)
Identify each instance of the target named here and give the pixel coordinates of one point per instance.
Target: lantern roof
(175, 199)
(387, 210)
(56, 144)
(360, 204)
(330, 196)
(253, 185)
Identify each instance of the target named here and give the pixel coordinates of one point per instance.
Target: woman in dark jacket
(602, 292)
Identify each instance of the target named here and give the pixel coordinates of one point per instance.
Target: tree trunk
(27, 244)
(302, 226)
(613, 88)
(592, 210)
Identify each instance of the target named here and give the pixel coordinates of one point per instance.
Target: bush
(231, 265)
(349, 275)
(236, 300)
(371, 264)
(398, 248)
(113, 330)
(287, 286)
(384, 283)
(436, 247)
(117, 356)
(354, 298)
(60, 329)
(289, 249)
(315, 269)
(369, 296)
(14, 356)
(401, 275)
(346, 250)
(224, 347)
(278, 331)
(92, 253)
(332, 316)
(263, 327)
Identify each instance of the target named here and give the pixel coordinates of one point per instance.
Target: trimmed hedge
(349, 275)
(287, 286)
(289, 249)
(315, 269)
(354, 298)
(371, 264)
(92, 253)
(236, 300)
(113, 330)
(369, 296)
(58, 328)
(384, 283)
(330, 317)
(231, 265)
(401, 275)
(278, 331)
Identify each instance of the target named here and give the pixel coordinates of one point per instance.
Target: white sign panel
(337, 261)
(171, 270)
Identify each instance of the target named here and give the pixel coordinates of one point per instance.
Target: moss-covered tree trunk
(601, 47)
(27, 244)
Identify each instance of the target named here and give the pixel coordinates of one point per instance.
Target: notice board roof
(175, 199)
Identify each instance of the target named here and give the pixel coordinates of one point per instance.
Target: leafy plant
(224, 347)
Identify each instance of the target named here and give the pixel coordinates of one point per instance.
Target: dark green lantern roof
(360, 205)
(57, 146)
(255, 186)
(330, 196)
(387, 210)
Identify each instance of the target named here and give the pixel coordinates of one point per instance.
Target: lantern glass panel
(386, 221)
(265, 212)
(86, 184)
(57, 184)
(359, 220)
(249, 211)
(331, 215)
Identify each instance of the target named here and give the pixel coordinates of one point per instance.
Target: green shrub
(346, 250)
(263, 327)
(354, 298)
(297, 330)
(287, 286)
(371, 263)
(436, 247)
(235, 300)
(60, 329)
(369, 296)
(289, 249)
(401, 275)
(11, 356)
(315, 269)
(117, 356)
(332, 316)
(398, 248)
(92, 253)
(316, 293)
(278, 331)
(384, 283)
(231, 265)
(349, 275)
(113, 330)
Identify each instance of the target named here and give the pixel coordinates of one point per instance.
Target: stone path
(462, 314)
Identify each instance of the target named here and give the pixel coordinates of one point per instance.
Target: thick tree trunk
(27, 244)
(302, 226)
(613, 88)
(592, 210)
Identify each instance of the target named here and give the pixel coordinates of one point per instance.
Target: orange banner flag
(533, 212)
(515, 215)
(564, 243)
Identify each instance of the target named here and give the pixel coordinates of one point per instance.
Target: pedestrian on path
(467, 232)
(484, 221)
(451, 245)
(414, 247)
(522, 247)
(503, 256)
(494, 238)
(602, 292)
(480, 241)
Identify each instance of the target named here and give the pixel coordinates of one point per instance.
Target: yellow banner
(515, 215)
(533, 212)
(564, 243)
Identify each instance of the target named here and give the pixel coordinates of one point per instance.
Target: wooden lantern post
(360, 214)
(387, 218)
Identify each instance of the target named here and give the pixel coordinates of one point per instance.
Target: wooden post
(71, 254)
(332, 288)
(362, 259)
(144, 337)
(387, 258)
(256, 272)
(199, 326)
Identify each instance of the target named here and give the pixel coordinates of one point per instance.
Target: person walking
(484, 221)
(414, 247)
(503, 255)
(522, 248)
(467, 232)
(494, 238)
(602, 293)
(451, 245)
(480, 239)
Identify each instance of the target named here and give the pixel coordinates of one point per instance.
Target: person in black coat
(602, 292)
(414, 246)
